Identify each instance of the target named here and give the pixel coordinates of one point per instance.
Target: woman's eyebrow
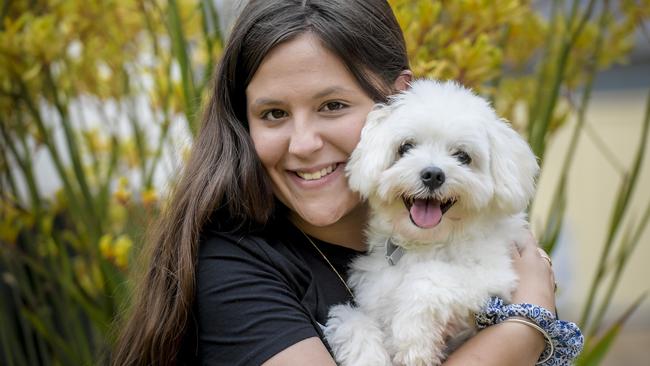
(321, 94)
(331, 90)
(266, 101)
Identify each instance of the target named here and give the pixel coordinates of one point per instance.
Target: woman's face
(305, 111)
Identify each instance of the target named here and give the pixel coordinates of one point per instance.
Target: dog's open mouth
(426, 213)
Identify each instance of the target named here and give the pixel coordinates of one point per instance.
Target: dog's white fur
(406, 313)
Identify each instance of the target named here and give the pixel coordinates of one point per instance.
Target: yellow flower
(32, 72)
(116, 250)
(121, 249)
(9, 219)
(149, 197)
(8, 232)
(106, 246)
(130, 153)
(122, 194)
(118, 216)
(96, 142)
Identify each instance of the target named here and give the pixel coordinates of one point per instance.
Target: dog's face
(437, 156)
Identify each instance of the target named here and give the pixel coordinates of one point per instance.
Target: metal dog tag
(393, 252)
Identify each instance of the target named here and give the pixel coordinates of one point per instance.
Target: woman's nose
(305, 138)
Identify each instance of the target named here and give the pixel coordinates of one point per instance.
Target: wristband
(547, 338)
(565, 337)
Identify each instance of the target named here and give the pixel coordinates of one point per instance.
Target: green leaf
(180, 50)
(594, 354)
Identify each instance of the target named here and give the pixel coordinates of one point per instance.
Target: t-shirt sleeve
(248, 304)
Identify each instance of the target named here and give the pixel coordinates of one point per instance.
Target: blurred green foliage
(101, 90)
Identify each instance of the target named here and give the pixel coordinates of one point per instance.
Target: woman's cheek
(353, 133)
(265, 145)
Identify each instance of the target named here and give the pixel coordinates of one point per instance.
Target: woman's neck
(347, 232)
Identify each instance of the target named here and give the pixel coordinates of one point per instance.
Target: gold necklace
(329, 263)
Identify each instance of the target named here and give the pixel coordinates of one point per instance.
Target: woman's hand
(536, 280)
(513, 343)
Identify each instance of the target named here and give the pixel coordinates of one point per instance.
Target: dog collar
(393, 252)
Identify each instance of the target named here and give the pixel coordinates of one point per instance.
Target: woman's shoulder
(216, 243)
(266, 245)
(268, 253)
(249, 299)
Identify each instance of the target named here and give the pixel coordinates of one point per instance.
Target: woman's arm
(310, 351)
(246, 303)
(514, 343)
(503, 344)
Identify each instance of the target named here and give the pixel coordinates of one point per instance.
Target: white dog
(447, 182)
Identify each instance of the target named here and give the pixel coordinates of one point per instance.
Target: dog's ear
(372, 155)
(513, 166)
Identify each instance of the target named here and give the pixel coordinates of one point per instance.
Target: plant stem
(540, 126)
(569, 156)
(75, 157)
(621, 204)
(625, 251)
(26, 170)
(56, 159)
(542, 74)
(179, 47)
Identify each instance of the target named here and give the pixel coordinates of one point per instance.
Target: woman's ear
(403, 81)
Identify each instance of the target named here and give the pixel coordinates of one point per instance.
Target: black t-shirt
(259, 294)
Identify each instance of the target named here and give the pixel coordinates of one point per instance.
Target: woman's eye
(404, 148)
(333, 106)
(463, 157)
(274, 114)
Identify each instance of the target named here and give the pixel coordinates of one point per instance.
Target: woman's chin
(324, 215)
(319, 219)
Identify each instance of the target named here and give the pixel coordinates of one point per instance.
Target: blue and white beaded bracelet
(566, 338)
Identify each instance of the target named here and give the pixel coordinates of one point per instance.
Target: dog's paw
(415, 345)
(417, 355)
(355, 338)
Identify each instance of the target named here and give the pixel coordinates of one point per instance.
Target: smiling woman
(254, 248)
(305, 133)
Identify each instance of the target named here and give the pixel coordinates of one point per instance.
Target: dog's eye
(404, 148)
(463, 157)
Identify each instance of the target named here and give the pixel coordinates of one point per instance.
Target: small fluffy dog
(447, 182)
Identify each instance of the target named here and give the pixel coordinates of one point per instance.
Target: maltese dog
(447, 182)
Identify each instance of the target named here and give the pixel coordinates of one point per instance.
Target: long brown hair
(223, 181)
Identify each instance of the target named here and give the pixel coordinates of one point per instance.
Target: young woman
(254, 246)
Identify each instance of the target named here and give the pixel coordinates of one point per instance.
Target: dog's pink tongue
(426, 213)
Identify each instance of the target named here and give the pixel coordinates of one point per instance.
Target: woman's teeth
(317, 175)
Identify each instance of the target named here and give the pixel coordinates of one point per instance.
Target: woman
(254, 246)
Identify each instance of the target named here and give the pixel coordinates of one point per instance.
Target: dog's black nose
(432, 177)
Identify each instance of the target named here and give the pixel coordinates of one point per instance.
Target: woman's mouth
(317, 174)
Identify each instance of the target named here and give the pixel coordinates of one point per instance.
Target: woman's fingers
(547, 258)
(535, 271)
(543, 254)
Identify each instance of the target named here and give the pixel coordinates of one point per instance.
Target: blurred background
(99, 103)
